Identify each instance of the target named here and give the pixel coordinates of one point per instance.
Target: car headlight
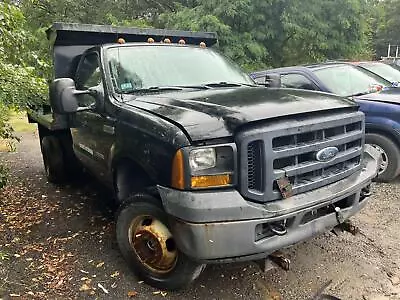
(202, 159)
(205, 167)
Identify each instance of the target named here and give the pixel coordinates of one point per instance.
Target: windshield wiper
(227, 84)
(153, 89)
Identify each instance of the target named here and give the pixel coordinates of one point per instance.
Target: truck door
(93, 134)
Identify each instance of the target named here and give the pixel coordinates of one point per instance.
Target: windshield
(145, 67)
(383, 70)
(346, 80)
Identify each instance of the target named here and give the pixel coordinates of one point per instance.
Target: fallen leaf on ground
(132, 293)
(100, 264)
(115, 274)
(84, 287)
(103, 288)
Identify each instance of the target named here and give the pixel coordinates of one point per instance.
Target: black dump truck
(207, 166)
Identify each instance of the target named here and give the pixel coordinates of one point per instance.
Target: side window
(297, 81)
(88, 74)
(260, 79)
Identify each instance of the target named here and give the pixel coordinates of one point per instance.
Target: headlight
(206, 167)
(202, 159)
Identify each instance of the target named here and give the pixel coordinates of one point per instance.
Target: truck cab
(207, 166)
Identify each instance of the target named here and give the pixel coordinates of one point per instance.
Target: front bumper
(221, 226)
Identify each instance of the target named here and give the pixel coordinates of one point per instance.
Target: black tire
(73, 167)
(390, 154)
(53, 159)
(183, 271)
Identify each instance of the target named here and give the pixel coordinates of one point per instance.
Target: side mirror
(63, 96)
(273, 80)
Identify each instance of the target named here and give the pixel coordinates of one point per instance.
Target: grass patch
(20, 124)
(19, 121)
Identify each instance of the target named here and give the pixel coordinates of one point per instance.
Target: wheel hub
(384, 161)
(153, 244)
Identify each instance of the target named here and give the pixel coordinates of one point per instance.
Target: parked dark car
(381, 69)
(375, 96)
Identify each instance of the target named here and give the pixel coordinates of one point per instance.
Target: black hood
(391, 95)
(217, 113)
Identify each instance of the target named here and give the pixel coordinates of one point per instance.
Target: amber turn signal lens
(178, 175)
(211, 181)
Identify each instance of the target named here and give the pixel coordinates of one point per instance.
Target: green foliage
(261, 33)
(387, 23)
(20, 83)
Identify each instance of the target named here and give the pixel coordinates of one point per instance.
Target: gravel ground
(58, 242)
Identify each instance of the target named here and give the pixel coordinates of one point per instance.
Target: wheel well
(63, 134)
(385, 133)
(129, 178)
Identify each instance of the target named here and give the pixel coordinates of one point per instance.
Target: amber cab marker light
(211, 181)
(178, 176)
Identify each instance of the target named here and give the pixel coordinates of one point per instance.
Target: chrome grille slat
(289, 148)
(301, 149)
(301, 188)
(312, 166)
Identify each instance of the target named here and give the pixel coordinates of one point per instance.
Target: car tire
(390, 153)
(53, 159)
(73, 167)
(167, 269)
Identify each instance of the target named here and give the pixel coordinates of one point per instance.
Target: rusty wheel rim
(153, 244)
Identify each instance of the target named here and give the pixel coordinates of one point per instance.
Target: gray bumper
(222, 226)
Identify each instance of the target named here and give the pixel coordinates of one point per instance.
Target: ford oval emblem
(327, 154)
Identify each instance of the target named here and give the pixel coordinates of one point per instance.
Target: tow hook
(279, 228)
(365, 192)
(273, 261)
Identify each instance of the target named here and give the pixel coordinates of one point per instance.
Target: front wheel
(149, 247)
(390, 155)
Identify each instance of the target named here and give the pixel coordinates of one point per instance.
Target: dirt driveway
(58, 242)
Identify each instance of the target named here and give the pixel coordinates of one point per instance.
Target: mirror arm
(85, 92)
(83, 108)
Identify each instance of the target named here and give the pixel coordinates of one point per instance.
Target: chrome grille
(288, 148)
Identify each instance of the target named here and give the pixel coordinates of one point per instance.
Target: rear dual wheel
(53, 159)
(148, 245)
(59, 160)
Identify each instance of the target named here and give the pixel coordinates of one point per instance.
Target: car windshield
(162, 67)
(383, 70)
(346, 80)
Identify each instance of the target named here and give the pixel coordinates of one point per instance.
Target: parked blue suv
(377, 99)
